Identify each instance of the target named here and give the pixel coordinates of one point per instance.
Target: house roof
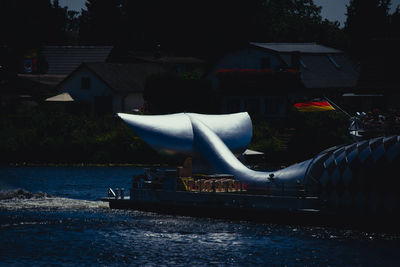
(171, 60)
(312, 48)
(47, 79)
(326, 71)
(124, 77)
(65, 59)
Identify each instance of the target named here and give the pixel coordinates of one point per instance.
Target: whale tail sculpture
(361, 176)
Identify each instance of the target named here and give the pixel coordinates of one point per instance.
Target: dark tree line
(370, 20)
(32, 23)
(26, 24)
(204, 28)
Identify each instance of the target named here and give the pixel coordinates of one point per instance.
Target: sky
(331, 9)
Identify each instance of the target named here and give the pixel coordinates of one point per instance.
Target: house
(265, 78)
(50, 65)
(109, 87)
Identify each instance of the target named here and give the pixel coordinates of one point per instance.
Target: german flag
(312, 106)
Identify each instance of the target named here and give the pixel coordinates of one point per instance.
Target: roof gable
(318, 71)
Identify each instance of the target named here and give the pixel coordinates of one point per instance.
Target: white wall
(73, 86)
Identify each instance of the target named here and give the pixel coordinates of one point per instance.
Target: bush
(37, 136)
(308, 135)
(169, 93)
(317, 131)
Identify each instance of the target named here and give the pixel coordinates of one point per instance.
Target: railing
(118, 193)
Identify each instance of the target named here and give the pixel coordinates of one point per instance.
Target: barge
(346, 185)
(218, 196)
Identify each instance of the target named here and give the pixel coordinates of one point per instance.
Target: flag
(311, 106)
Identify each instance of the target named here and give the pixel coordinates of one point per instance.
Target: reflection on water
(53, 216)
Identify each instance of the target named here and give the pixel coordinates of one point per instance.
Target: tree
(206, 28)
(58, 17)
(101, 22)
(290, 20)
(171, 93)
(366, 20)
(201, 28)
(210, 28)
(26, 23)
(395, 24)
(72, 20)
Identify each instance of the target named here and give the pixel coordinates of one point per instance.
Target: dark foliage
(38, 136)
(101, 22)
(28, 24)
(300, 137)
(370, 20)
(315, 132)
(168, 93)
(204, 28)
(46, 137)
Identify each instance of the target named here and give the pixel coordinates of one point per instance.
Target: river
(53, 216)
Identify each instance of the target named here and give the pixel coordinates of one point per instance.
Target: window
(303, 64)
(85, 83)
(332, 60)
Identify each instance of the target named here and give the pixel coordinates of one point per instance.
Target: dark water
(52, 216)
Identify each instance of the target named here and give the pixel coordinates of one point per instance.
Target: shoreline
(258, 167)
(25, 164)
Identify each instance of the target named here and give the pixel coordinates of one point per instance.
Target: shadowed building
(50, 65)
(109, 87)
(266, 77)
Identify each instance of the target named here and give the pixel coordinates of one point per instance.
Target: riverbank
(25, 164)
(40, 137)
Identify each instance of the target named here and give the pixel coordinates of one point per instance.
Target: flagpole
(331, 102)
